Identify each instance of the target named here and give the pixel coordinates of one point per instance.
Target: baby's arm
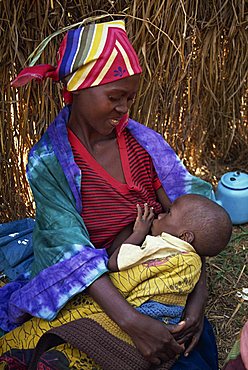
(140, 230)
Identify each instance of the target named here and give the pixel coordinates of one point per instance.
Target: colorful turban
(88, 56)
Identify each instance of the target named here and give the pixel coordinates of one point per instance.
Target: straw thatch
(193, 90)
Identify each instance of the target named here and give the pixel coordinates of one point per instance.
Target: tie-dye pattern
(174, 177)
(64, 268)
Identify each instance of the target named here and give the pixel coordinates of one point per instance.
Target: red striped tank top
(108, 205)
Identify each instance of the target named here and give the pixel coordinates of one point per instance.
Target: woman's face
(101, 108)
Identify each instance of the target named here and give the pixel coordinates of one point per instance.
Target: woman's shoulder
(54, 135)
(139, 127)
(43, 145)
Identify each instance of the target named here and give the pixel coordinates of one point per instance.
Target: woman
(87, 172)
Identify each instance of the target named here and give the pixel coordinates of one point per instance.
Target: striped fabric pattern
(101, 191)
(88, 56)
(96, 54)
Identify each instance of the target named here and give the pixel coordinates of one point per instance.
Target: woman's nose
(122, 107)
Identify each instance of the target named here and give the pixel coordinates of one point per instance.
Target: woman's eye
(113, 98)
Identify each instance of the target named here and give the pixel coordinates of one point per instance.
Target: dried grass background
(194, 87)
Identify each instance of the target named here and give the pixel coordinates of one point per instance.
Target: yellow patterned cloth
(166, 280)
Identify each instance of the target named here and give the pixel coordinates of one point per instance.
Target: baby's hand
(143, 221)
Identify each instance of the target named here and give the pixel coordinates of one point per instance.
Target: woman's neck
(89, 137)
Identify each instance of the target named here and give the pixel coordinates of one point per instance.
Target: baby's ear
(187, 236)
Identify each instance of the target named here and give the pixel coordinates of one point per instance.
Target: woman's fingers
(189, 336)
(192, 345)
(176, 328)
(155, 361)
(164, 355)
(154, 340)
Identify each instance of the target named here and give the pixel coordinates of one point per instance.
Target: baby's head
(197, 220)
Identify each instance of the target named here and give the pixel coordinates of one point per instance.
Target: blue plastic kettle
(232, 194)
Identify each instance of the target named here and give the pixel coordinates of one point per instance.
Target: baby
(193, 227)
(201, 223)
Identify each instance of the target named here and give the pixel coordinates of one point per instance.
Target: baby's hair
(210, 223)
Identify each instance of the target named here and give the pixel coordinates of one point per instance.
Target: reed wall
(193, 90)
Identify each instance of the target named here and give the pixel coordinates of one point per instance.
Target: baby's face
(169, 222)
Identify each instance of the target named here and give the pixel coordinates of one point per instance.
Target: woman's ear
(187, 236)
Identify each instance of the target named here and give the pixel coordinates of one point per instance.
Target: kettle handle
(213, 197)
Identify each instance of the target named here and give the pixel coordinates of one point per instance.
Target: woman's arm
(120, 238)
(194, 313)
(150, 336)
(163, 198)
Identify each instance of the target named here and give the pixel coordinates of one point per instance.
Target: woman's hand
(194, 320)
(153, 339)
(194, 315)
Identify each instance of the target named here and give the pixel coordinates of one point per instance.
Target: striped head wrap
(88, 56)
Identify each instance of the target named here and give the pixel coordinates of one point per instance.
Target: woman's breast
(106, 211)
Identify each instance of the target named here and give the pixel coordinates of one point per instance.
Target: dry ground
(227, 275)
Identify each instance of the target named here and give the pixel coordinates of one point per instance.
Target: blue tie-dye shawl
(66, 262)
